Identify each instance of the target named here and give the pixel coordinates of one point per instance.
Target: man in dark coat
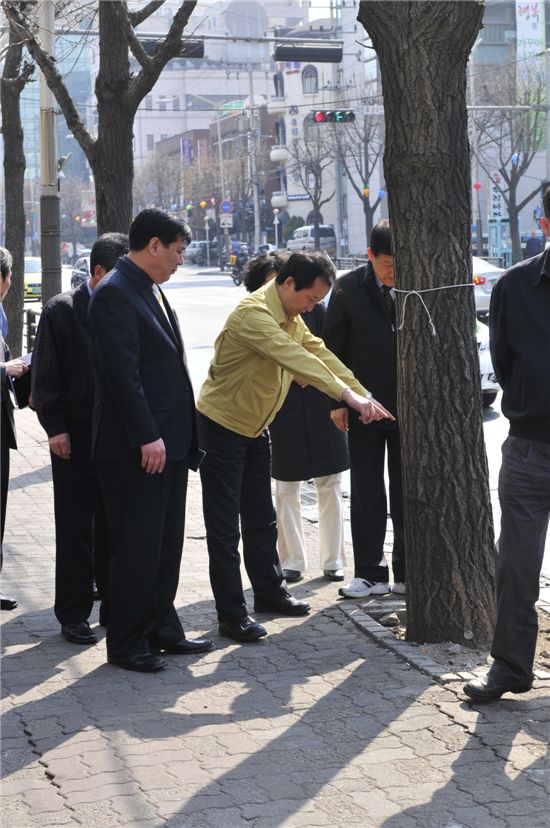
(305, 445)
(63, 397)
(360, 328)
(9, 368)
(144, 439)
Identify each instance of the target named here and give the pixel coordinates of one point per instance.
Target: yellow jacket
(256, 356)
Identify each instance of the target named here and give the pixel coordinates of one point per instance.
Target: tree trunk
(112, 160)
(513, 220)
(423, 50)
(12, 85)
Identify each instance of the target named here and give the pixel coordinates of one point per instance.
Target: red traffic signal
(333, 116)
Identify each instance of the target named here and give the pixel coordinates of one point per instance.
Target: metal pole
(223, 194)
(50, 216)
(254, 165)
(207, 229)
(547, 61)
(276, 226)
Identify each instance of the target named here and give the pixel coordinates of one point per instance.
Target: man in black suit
(144, 441)
(9, 368)
(63, 397)
(360, 328)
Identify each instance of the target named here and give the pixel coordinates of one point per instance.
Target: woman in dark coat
(305, 444)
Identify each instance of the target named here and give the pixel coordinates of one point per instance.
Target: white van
(303, 239)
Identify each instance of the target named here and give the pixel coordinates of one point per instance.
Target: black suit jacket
(143, 389)
(62, 371)
(359, 331)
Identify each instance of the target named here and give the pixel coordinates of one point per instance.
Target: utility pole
(254, 164)
(50, 217)
(223, 194)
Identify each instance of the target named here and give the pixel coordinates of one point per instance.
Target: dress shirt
(256, 356)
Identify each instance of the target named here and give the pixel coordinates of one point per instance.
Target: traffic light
(333, 116)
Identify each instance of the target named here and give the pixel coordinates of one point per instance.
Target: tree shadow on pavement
(244, 728)
(500, 776)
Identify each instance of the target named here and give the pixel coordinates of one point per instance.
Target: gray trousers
(524, 494)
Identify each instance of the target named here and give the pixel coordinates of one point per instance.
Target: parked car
(303, 238)
(194, 249)
(489, 384)
(32, 278)
(81, 271)
(485, 276)
(266, 248)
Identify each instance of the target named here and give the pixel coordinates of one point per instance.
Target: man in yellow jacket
(263, 345)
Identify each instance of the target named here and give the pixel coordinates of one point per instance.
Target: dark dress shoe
(282, 604)
(7, 603)
(334, 574)
(291, 576)
(185, 647)
(243, 629)
(141, 662)
(79, 633)
(485, 689)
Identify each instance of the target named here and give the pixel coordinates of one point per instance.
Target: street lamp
(276, 225)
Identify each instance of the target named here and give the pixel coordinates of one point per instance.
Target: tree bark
(118, 93)
(423, 50)
(14, 78)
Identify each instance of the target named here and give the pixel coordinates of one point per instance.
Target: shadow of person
(242, 725)
(498, 774)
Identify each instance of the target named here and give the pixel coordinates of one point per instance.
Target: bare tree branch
(47, 63)
(138, 17)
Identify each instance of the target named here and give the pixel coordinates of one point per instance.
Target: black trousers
(81, 536)
(524, 495)
(236, 480)
(369, 507)
(146, 517)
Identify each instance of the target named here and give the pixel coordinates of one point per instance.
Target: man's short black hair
(305, 268)
(257, 270)
(107, 249)
(380, 239)
(546, 202)
(153, 223)
(6, 262)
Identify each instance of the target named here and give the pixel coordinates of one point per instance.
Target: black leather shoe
(79, 633)
(7, 603)
(243, 629)
(185, 647)
(291, 576)
(485, 689)
(141, 662)
(334, 574)
(282, 604)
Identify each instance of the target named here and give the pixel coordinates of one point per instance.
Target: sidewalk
(317, 725)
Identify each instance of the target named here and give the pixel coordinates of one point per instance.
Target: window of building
(175, 103)
(279, 83)
(148, 102)
(150, 143)
(162, 103)
(310, 80)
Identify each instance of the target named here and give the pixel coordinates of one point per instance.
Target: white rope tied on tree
(418, 293)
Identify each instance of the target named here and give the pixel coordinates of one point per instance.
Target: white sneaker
(361, 588)
(399, 587)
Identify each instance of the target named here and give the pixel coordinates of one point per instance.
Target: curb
(405, 652)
